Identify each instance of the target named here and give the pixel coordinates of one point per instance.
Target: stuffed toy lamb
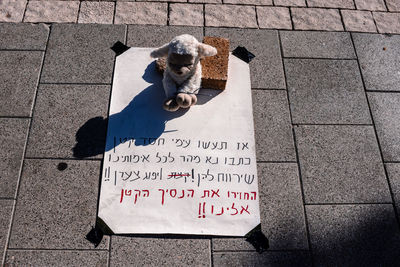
(182, 76)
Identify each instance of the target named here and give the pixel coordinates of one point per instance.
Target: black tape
(258, 239)
(244, 54)
(95, 236)
(119, 48)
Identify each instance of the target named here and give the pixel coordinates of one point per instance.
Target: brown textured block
(215, 69)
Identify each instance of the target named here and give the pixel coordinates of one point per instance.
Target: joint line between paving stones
(387, 9)
(21, 50)
(373, 18)
(341, 19)
(321, 58)
(332, 124)
(253, 250)
(21, 169)
(348, 203)
(26, 7)
(79, 11)
(109, 252)
(291, 20)
(60, 83)
(377, 138)
(168, 12)
(297, 154)
(14, 117)
(211, 253)
(58, 249)
(256, 11)
(382, 91)
(114, 11)
(268, 89)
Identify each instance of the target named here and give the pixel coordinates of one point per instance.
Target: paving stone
(312, 44)
(80, 53)
(273, 129)
(52, 11)
(56, 258)
(12, 143)
(393, 170)
(379, 58)
(155, 36)
(331, 3)
(316, 19)
(186, 14)
(141, 13)
(387, 22)
(6, 208)
(393, 5)
(373, 5)
(266, 68)
(354, 235)
(230, 16)
(341, 164)
(12, 10)
(57, 134)
(267, 258)
(58, 207)
(19, 76)
(96, 12)
(282, 214)
(289, 2)
(274, 17)
(326, 92)
(386, 113)
(129, 251)
(249, 2)
(206, 1)
(358, 21)
(23, 36)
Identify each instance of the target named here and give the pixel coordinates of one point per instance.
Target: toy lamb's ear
(206, 50)
(160, 52)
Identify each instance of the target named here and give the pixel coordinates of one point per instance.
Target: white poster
(187, 172)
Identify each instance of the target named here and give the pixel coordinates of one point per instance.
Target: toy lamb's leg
(187, 91)
(170, 88)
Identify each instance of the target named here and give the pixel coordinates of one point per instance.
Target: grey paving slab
(155, 36)
(341, 164)
(56, 207)
(393, 170)
(6, 207)
(59, 258)
(23, 36)
(379, 57)
(268, 258)
(71, 129)
(386, 113)
(354, 235)
(312, 44)
(129, 251)
(266, 68)
(326, 92)
(282, 213)
(273, 128)
(80, 53)
(12, 143)
(19, 76)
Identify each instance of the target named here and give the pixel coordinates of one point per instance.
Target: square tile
(393, 170)
(96, 12)
(56, 258)
(326, 92)
(141, 13)
(316, 19)
(129, 251)
(6, 208)
(387, 22)
(52, 11)
(312, 44)
(57, 205)
(23, 36)
(273, 128)
(266, 259)
(274, 17)
(358, 21)
(341, 164)
(80, 53)
(74, 127)
(12, 144)
(379, 57)
(238, 16)
(186, 14)
(386, 113)
(393, 5)
(12, 10)
(19, 76)
(354, 235)
(266, 69)
(156, 36)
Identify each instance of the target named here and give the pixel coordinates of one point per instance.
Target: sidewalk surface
(326, 103)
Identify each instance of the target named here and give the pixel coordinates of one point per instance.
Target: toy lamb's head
(183, 54)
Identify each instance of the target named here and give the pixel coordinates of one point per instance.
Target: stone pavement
(327, 124)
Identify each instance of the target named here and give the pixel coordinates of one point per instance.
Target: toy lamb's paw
(184, 100)
(171, 105)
